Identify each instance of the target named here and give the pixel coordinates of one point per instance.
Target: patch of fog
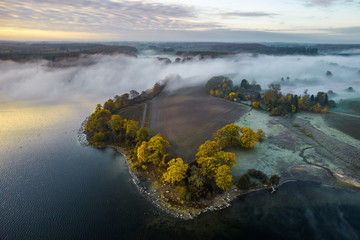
(318, 122)
(108, 76)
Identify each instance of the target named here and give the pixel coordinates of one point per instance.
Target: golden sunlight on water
(21, 122)
(17, 117)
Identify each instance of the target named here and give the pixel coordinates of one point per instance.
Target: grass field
(136, 113)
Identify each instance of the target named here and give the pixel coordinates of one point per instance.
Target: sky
(322, 21)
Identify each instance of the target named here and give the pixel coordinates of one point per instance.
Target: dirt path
(144, 115)
(189, 116)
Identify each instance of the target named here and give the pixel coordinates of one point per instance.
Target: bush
(296, 125)
(255, 105)
(259, 175)
(309, 134)
(275, 112)
(244, 182)
(274, 180)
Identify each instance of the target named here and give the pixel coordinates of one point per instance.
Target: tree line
(272, 100)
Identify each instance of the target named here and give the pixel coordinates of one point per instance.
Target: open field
(189, 116)
(346, 117)
(325, 156)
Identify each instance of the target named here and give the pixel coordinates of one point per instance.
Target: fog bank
(115, 75)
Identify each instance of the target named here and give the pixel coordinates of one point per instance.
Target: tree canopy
(153, 151)
(176, 171)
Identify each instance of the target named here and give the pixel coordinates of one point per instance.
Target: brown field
(347, 124)
(189, 116)
(133, 113)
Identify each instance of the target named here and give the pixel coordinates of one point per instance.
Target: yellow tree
(207, 149)
(255, 105)
(176, 171)
(228, 136)
(210, 164)
(269, 97)
(303, 103)
(153, 151)
(324, 111)
(260, 134)
(222, 178)
(131, 128)
(248, 138)
(232, 96)
(116, 123)
(316, 108)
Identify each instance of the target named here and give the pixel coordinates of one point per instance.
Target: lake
(52, 187)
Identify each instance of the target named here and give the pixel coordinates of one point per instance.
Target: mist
(108, 76)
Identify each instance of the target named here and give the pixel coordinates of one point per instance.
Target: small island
(191, 175)
(186, 185)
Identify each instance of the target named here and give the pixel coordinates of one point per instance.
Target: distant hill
(262, 49)
(58, 51)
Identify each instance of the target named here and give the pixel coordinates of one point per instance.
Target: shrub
(255, 105)
(244, 182)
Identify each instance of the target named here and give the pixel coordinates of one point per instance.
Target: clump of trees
(232, 135)
(132, 98)
(148, 154)
(272, 100)
(223, 87)
(252, 178)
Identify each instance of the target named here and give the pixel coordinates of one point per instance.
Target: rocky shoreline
(221, 201)
(224, 200)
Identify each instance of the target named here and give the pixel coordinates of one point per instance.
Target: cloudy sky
(325, 21)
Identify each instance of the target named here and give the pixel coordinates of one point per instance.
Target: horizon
(300, 21)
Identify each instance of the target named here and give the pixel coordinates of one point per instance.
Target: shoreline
(220, 201)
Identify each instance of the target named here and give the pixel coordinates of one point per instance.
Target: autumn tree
(228, 136)
(255, 105)
(316, 108)
(196, 182)
(303, 102)
(222, 177)
(248, 138)
(176, 171)
(142, 135)
(210, 164)
(269, 97)
(324, 111)
(153, 151)
(209, 148)
(98, 122)
(110, 105)
(260, 134)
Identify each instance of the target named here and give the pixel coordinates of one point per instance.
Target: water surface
(51, 187)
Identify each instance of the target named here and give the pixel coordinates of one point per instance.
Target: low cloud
(115, 75)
